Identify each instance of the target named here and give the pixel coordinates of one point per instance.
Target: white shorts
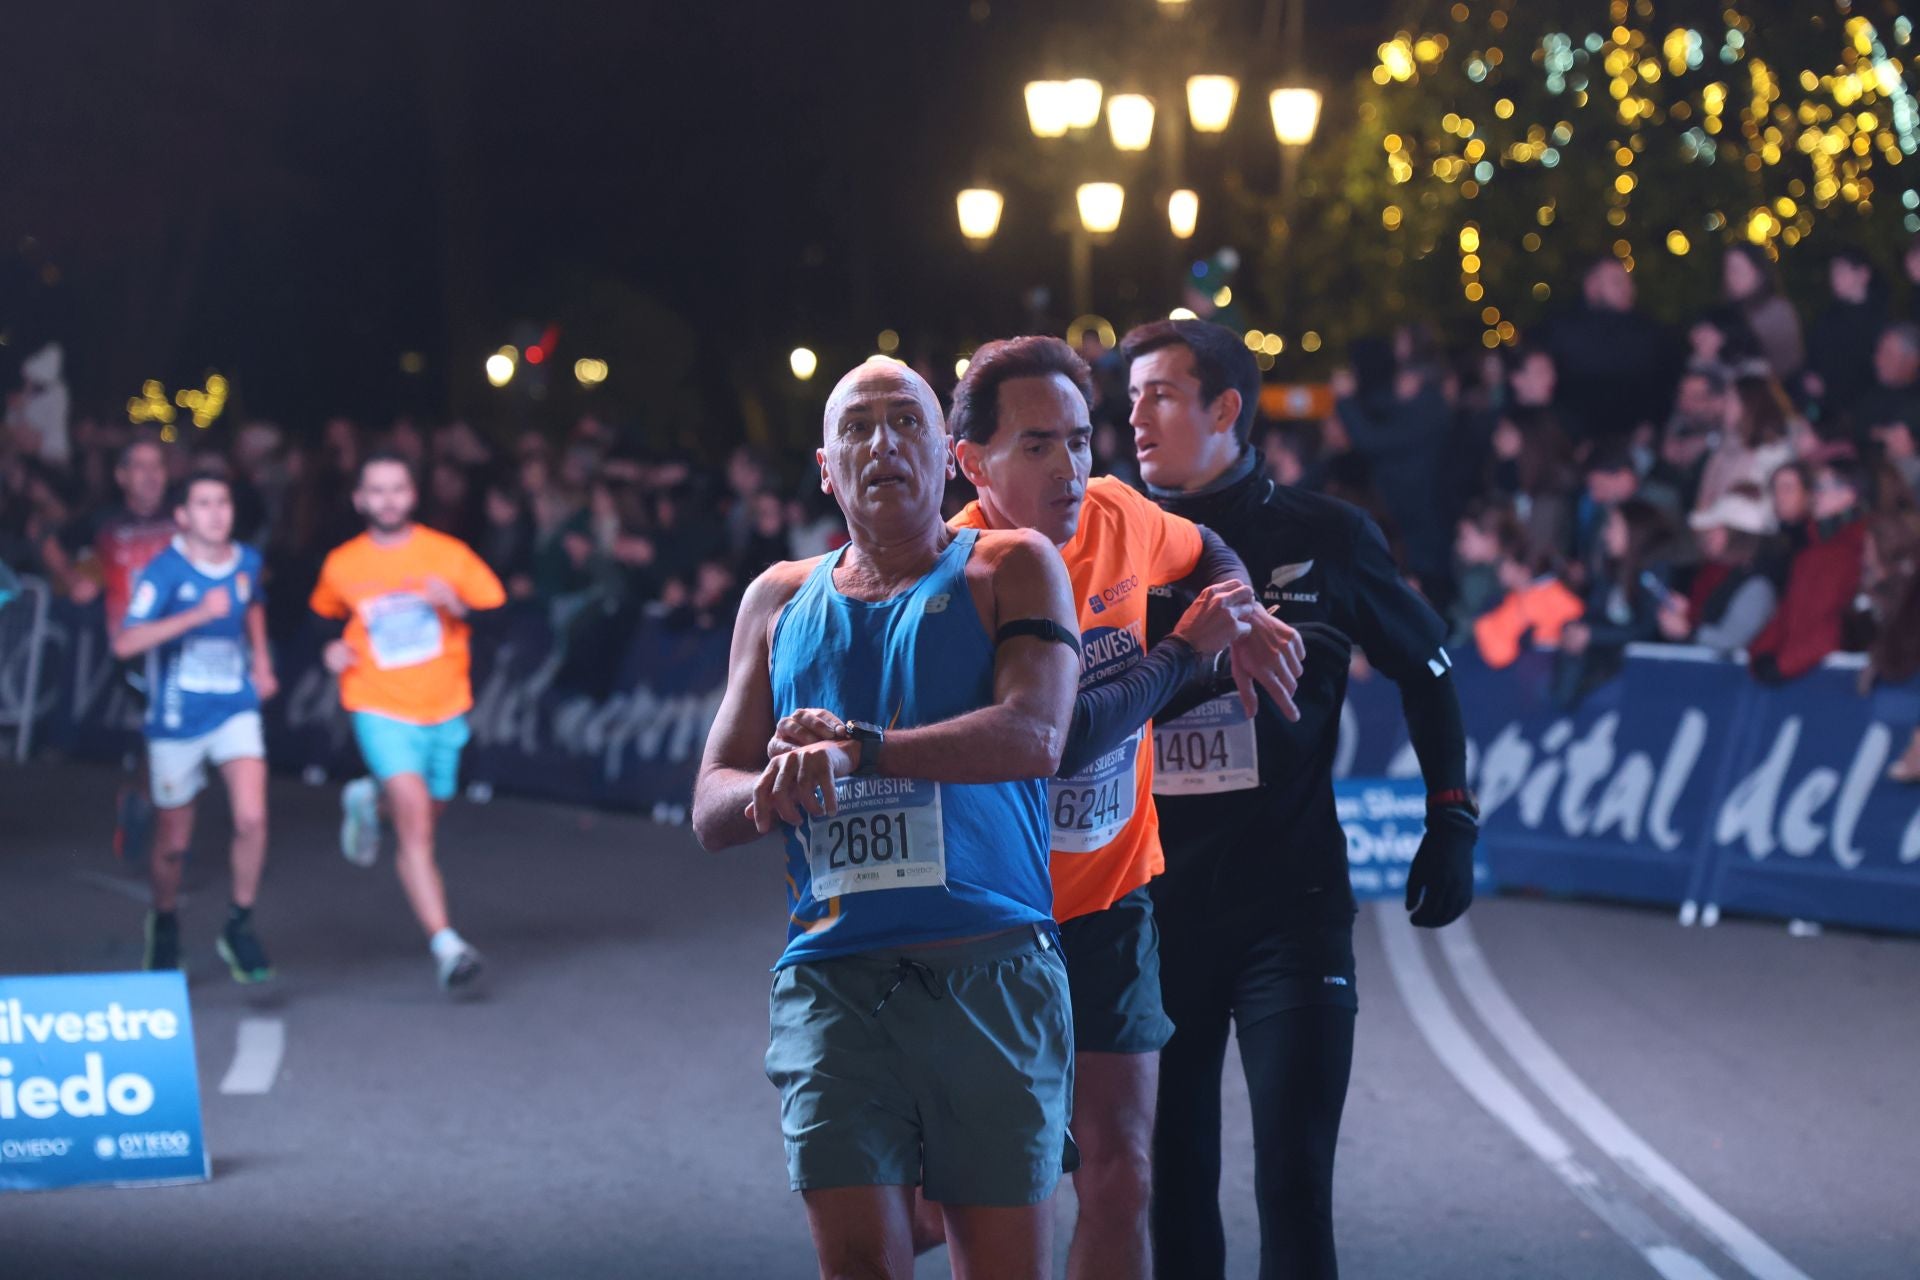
(179, 765)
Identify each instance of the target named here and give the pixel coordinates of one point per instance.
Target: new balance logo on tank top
(905, 861)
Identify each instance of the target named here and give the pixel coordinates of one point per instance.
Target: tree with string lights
(1497, 145)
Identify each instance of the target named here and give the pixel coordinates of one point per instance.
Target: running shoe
(246, 958)
(459, 970)
(360, 822)
(163, 943)
(132, 828)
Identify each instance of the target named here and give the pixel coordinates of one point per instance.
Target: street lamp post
(1183, 213)
(1210, 101)
(979, 209)
(1099, 205)
(1061, 108)
(1130, 121)
(1296, 112)
(1047, 108)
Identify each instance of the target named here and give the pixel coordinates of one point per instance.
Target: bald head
(876, 385)
(885, 456)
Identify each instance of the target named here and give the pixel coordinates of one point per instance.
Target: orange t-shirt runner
(1106, 834)
(411, 659)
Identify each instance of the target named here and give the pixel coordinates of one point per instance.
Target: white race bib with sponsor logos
(1093, 806)
(403, 629)
(887, 835)
(212, 664)
(1210, 749)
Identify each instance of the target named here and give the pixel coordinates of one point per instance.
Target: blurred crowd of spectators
(1747, 483)
(595, 533)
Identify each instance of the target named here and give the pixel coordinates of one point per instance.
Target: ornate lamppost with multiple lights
(1071, 108)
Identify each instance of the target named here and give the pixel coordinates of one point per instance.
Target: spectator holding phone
(1737, 586)
(1623, 600)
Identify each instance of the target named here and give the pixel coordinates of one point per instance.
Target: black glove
(1440, 882)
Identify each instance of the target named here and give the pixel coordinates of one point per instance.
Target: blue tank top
(921, 657)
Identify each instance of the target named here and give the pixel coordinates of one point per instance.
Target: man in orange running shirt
(1022, 432)
(405, 592)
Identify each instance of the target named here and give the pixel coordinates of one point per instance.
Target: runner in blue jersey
(921, 1025)
(198, 616)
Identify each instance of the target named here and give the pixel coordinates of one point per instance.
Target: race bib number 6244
(1093, 806)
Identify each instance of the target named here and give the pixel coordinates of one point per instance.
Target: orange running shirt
(1106, 834)
(410, 658)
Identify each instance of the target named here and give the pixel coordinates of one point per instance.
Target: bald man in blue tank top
(921, 1026)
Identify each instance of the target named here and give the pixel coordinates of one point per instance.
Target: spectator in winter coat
(1623, 600)
(1755, 442)
(1735, 590)
(1612, 360)
(1747, 279)
(1841, 340)
(1822, 580)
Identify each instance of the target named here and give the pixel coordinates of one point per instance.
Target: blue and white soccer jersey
(202, 706)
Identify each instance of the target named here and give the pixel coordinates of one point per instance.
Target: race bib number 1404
(1209, 749)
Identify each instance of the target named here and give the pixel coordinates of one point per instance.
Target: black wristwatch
(872, 738)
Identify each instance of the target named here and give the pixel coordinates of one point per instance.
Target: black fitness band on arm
(1039, 629)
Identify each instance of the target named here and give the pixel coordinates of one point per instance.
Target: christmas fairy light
(1651, 137)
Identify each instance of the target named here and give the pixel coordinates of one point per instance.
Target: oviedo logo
(1099, 601)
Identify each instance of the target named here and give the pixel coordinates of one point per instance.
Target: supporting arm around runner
(1104, 714)
(1269, 654)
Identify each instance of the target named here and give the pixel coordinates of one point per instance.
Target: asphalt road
(1558, 1090)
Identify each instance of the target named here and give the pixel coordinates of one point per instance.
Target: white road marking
(1550, 1073)
(1484, 1081)
(258, 1047)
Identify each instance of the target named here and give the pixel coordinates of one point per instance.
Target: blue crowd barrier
(1681, 782)
(621, 728)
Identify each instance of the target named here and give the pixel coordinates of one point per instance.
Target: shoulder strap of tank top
(951, 568)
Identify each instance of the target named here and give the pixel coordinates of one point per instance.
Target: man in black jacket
(1255, 910)
(1615, 371)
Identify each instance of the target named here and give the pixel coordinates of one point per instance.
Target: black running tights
(1297, 1063)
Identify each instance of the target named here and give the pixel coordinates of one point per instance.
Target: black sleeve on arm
(1218, 563)
(1436, 730)
(1105, 714)
(1401, 635)
(1210, 680)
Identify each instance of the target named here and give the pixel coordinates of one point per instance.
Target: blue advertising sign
(98, 1082)
(1384, 820)
(1681, 782)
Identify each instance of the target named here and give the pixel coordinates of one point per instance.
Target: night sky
(298, 194)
